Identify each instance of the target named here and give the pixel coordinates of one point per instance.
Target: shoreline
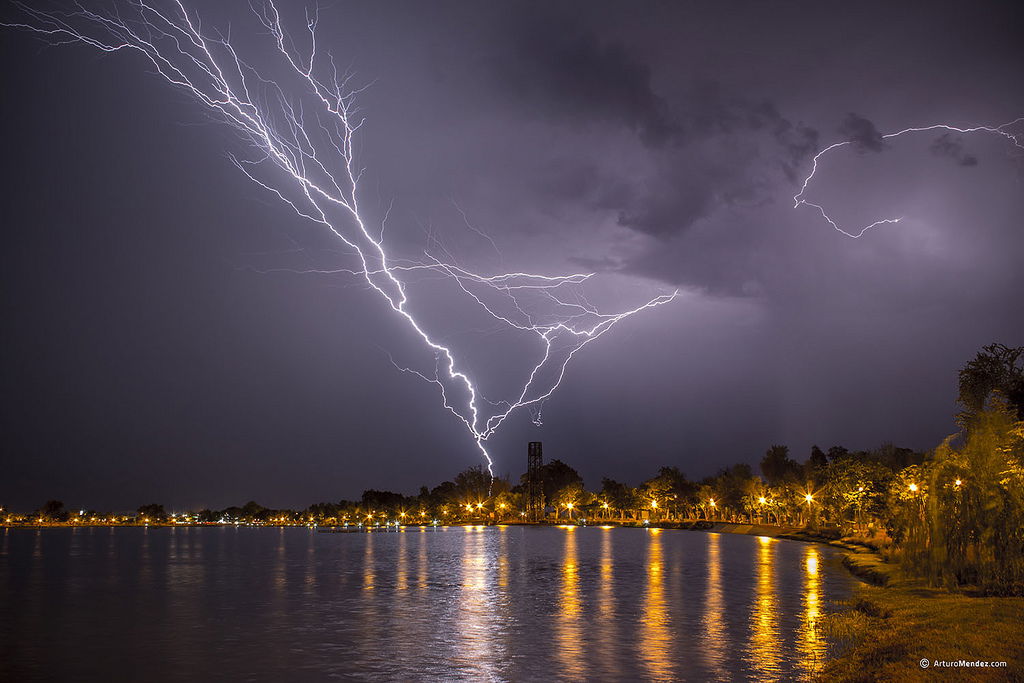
(895, 622)
(890, 624)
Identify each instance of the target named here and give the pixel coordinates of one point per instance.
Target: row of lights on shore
(184, 519)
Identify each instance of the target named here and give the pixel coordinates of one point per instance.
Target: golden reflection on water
(478, 646)
(606, 623)
(503, 558)
(656, 639)
(713, 642)
(765, 647)
(811, 645)
(421, 566)
(368, 571)
(568, 645)
(402, 566)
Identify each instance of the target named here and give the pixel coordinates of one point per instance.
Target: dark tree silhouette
(53, 511)
(777, 467)
(153, 511)
(556, 475)
(996, 368)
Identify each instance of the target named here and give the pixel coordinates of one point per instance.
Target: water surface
(462, 603)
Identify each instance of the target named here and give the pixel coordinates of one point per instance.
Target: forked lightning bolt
(303, 132)
(798, 199)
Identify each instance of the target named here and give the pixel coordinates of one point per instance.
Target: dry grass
(888, 630)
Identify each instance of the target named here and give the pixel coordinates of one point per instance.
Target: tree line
(954, 514)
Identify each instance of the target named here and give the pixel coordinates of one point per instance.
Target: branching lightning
(303, 133)
(798, 199)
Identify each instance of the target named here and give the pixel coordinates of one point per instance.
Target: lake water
(462, 603)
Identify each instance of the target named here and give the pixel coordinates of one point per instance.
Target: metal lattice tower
(534, 482)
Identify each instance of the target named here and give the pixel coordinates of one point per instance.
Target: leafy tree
(778, 468)
(508, 504)
(53, 511)
(670, 490)
(972, 526)
(389, 501)
(206, 516)
(853, 488)
(444, 494)
(556, 475)
(837, 453)
(707, 505)
(996, 368)
(814, 468)
(570, 497)
(619, 496)
(472, 484)
(153, 512)
(253, 510)
(895, 458)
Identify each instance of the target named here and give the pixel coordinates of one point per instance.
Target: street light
(913, 488)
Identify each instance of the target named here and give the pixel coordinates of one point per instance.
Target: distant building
(534, 481)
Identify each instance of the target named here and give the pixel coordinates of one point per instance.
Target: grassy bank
(894, 622)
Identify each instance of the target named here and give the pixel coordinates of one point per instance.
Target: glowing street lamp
(957, 482)
(913, 488)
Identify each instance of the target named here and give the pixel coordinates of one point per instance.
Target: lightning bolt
(798, 198)
(303, 138)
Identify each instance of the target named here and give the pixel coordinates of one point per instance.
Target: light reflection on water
(474, 603)
(656, 648)
(714, 641)
(764, 647)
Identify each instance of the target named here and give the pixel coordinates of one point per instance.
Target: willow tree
(973, 497)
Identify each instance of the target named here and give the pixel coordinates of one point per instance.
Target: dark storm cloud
(576, 76)
(952, 147)
(708, 147)
(862, 133)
